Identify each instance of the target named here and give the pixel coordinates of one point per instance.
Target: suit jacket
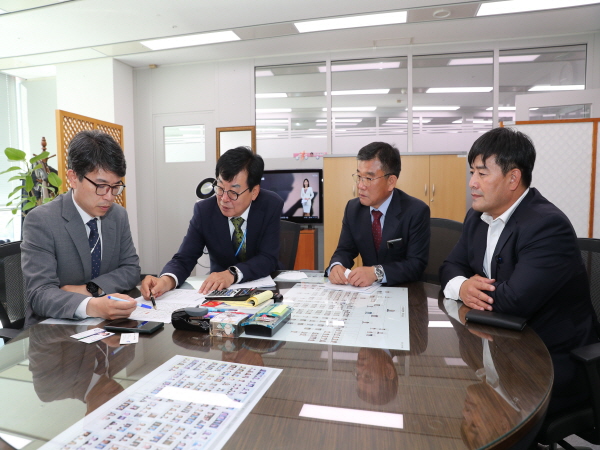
(538, 270)
(210, 228)
(55, 252)
(406, 218)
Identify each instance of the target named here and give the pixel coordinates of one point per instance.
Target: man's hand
(158, 286)
(362, 276)
(473, 292)
(216, 281)
(80, 289)
(336, 275)
(110, 309)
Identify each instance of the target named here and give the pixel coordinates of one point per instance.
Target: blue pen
(121, 300)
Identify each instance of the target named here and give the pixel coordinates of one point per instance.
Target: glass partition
(369, 99)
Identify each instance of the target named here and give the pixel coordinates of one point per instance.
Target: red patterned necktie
(376, 228)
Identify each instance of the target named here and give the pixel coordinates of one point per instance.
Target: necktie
(238, 238)
(376, 228)
(95, 247)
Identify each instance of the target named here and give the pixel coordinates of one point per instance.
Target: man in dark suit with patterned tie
(239, 226)
(78, 248)
(386, 226)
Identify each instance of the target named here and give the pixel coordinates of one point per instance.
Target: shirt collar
(384, 206)
(506, 214)
(244, 215)
(84, 216)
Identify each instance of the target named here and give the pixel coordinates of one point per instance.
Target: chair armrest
(8, 333)
(588, 354)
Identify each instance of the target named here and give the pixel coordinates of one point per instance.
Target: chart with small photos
(325, 316)
(185, 403)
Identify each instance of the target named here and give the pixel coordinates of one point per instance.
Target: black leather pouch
(495, 319)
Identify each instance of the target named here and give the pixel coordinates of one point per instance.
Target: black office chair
(444, 236)
(288, 244)
(582, 421)
(12, 291)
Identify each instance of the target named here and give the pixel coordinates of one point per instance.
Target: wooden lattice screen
(67, 126)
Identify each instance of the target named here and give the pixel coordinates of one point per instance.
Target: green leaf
(28, 183)
(46, 200)
(39, 157)
(29, 206)
(17, 177)
(54, 180)
(39, 166)
(11, 169)
(9, 203)
(14, 155)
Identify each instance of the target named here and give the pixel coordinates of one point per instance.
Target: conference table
(458, 387)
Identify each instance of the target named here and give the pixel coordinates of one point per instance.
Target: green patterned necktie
(238, 237)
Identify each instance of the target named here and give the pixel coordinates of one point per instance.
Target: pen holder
(268, 320)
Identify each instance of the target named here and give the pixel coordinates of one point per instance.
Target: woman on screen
(307, 195)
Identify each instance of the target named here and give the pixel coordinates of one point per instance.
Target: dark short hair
(510, 148)
(91, 150)
(238, 159)
(387, 154)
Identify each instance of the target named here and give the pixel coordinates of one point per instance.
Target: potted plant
(39, 183)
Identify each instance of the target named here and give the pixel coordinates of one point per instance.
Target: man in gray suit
(78, 248)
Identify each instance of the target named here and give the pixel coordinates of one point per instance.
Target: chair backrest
(12, 288)
(288, 244)
(590, 252)
(444, 236)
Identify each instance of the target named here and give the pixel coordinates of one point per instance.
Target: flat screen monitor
(290, 186)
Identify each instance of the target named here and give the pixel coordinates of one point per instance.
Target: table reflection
(63, 367)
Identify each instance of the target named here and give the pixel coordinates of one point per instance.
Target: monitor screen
(301, 191)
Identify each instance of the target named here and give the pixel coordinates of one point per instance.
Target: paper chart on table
(324, 316)
(185, 403)
(166, 304)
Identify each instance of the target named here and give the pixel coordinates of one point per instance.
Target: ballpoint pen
(121, 300)
(152, 299)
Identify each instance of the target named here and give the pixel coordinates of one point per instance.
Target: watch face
(92, 288)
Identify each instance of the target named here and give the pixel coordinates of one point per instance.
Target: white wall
(41, 104)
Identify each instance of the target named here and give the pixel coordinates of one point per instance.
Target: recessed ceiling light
(435, 108)
(481, 121)
(351, 108)
(490, 60)
(397, 121)
(457, 121)
(191, 40)
(265, 121)
(502, 108)
(364, 66)
(519, 6)
(273, 110)
(564, 87)
(339, 23)
(361, 92)
(457, 90)
(272, 95)
(340, 120)
(441, 13)
(264, 73)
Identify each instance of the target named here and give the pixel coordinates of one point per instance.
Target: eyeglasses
(367, 180)
(102, 189)
(231, 194)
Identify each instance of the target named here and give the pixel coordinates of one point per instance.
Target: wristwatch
(94, 289)
(233, 271)
(379, 273)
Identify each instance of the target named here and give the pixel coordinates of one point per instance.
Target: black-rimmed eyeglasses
(231, 194)
(102, 189)
(367, 180)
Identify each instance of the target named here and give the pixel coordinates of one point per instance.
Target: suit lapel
(391, 222)
(109, 233)
(506, 233)
(76, 230)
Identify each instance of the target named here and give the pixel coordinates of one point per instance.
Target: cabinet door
(448, 186)
(414, 176)
(339, 187)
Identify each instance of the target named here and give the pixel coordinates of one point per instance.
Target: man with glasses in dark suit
(239, 226)
(388, 228)
(78, 247)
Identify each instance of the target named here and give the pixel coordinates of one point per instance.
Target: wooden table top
(454, 389)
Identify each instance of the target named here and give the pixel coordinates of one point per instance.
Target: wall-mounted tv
(295, 188)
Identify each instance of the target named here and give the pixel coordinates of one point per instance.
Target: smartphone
(133, 326)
